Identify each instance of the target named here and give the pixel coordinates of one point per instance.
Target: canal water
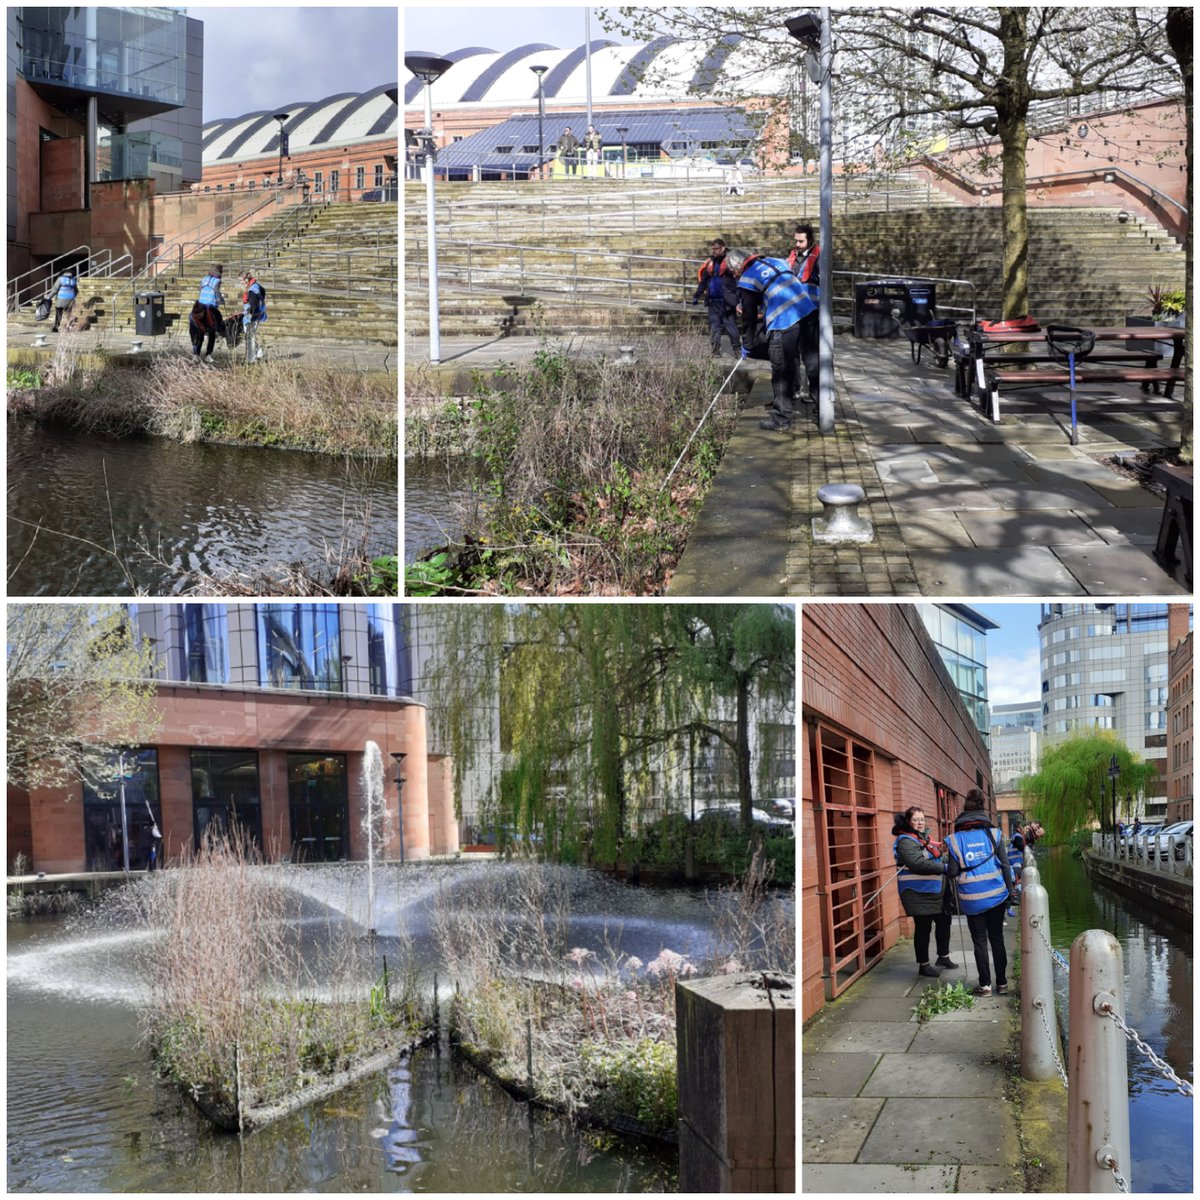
(1159, 999)
(203, 508)
(86, 1113)
(433, 488)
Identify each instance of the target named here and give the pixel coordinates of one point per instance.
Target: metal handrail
(97, 263)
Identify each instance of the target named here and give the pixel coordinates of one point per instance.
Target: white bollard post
(1098, 1100)
(1039, 1048)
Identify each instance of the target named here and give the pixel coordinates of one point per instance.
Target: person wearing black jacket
(924, 867)
(718, 285)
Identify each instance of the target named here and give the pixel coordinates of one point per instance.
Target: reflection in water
(433, 487)
(1158, 1000)
(204, 508)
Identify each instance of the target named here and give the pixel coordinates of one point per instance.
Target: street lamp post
(124, 816)
(623, 130)
(815, 35)
(400, 781)
(283, 144)
(539, 72)
(428, 68)
(1114, 771)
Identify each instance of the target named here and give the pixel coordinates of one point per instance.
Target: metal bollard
(1039, 1030)
(841, 523)
(1098, 1102)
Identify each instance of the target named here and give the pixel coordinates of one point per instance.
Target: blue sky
(1014, 672)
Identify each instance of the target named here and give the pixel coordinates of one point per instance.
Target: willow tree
(588, 698)
(1073, 787)
(901, 74)
(80, 687)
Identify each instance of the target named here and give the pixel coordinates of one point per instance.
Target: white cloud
(1014, 678)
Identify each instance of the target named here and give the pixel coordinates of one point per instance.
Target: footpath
(891, 1104)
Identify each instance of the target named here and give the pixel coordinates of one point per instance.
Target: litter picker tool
(700, 426)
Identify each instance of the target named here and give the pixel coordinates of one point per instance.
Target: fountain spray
(377, 821)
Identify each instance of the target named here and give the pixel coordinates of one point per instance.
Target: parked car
(728, 816)
(782, 807)
(1161, 844)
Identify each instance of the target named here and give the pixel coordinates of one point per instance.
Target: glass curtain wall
(103, 841)
(225, 793)
(390, 659)
(299, 647)
(204, 643)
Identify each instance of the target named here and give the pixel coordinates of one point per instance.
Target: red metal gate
(850, 873)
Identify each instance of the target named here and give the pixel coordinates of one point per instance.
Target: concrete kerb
(892, 1104)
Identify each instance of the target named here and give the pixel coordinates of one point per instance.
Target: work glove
(695, 300)
(745, 352)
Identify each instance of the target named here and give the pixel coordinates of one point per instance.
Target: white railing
(1172, 857)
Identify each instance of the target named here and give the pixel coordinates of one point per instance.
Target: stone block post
(736, 1042)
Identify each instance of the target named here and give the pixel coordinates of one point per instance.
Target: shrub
(634, 1079)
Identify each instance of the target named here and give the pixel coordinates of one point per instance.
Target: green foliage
(1073, 788)
(635, 1079)
(429, 577)
(384, 579)
(1165, 301)
(23, 377)
(942, 998)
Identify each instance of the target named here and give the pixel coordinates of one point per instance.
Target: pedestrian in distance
(64, 296)
(924, 868)
(767, 284)
(205, 320)
(719, 288)
(984, 887)
(155, 841)
(254, 314)
(736, 186)
(593, 143)
(568, 147)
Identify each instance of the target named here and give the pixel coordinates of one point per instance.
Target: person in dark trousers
(924, 867)
(984, 886)
(205, 319)
(718, 285)
(68, 289)
(769, 285)
(254, 313)
(804, 260)
(568, 146)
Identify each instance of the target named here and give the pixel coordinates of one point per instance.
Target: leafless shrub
(756, 927)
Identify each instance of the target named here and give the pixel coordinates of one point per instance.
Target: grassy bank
(301, 405)
(573, 460)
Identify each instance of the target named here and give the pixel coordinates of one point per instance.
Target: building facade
(1015, 753)
(1025, 715)
(1180, 716)
(885, 727)
(960, 634)
(265, 711)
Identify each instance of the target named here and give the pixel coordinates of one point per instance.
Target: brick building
(1179, 714)
(884, 728)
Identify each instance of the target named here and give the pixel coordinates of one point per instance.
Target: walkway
(894, 1105)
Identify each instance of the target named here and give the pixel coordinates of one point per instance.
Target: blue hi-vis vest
(788, 301)
(254, 310)
(67, 288)
(210, 290)
(910, 881)
(981, 885)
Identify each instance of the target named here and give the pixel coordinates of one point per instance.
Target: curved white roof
(337, 120)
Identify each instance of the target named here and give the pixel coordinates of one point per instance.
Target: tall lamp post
(283, 144)
(124, 815)
(1114, 771)
(429, 68)
(539, 72)
(623, 130)
(815, 35)
(400, 781)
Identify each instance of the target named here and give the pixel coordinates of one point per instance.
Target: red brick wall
(20, 827)
(62, 175)
(871, 672)
(343, 159)
(1180, 716)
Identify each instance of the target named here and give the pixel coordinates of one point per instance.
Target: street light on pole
(539, 72)
(283, 144)
(815, 35)
(124, 815)
(429, 68)
(401, 779)
(623, 130)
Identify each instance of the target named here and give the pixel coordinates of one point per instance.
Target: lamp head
(539, 71)
(428, 67)
(281, 117)
(805, 27)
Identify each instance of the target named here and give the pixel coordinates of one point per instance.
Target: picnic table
(990, 364)
(1175, 531)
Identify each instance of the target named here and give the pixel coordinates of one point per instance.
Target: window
(335, 181)
(225, 793)
(360, 178)
(379, 175)
(458, 137)
(389, 661)
(318, 181)
(1106, 652)
(319, 808)
(779, 754)
(1155, 672)
(252, 184)
(534, 149)
(204, 643)
(1103, 723)
(1102, 700)
(1156, 695)
(299, 646)
(1156, 719)
(499, 150)
(1116, 675)
(104, 848)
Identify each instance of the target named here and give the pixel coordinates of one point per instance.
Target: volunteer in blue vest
(254, 308)
(803, 261)
(68, 289)
(984, 886)
(205, 319)
(924, 866)
(769, 284)
(719, 288)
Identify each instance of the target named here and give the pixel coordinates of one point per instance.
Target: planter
(1166, 349)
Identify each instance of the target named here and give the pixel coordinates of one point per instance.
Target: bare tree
(80, 686)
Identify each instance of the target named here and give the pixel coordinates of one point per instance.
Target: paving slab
(1018, 571)
(1021, 496)
(880, 1009)
(952, 1073)
(1137, 526)
(989, 1037)
(934, 497)
(977, 1130)
(1117, 570)
(868, 1036)
(991, 1179)
(834, 1128)
(863, 1179)
(825, 1074)
(1005, 527)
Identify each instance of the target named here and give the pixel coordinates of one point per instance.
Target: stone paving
(890, 1104)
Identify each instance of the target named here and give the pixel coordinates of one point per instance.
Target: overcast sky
(256, 58)
(1013, 656)
(441, 29)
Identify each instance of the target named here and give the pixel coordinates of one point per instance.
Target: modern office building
(960, 632)
(1025, 715)
(1180, 715)
(1016, 751)
(885, 727)
(1106, 666)
(265, 712)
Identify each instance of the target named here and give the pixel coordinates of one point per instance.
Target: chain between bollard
(1181, 1085)
(1054, 954)
(1040, 1005)
(1110, 1162)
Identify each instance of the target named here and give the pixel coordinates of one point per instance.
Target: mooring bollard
(1098, 1100)
(1040, 1050)
(841, 522)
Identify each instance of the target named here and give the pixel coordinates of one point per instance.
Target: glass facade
(963, 650)
(388, 655)
(225, 792)
(123, 51)
(319, 807)
(103, 843)
(129, 155)
(204, 643)
(299, 647)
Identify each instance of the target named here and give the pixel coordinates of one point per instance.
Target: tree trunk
(1179, 34)
(743, 752)
(1012, 107)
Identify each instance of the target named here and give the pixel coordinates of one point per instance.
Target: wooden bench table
(1175, 532)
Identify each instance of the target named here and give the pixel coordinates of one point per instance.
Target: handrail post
(1039, 1052)
(1098, 1099)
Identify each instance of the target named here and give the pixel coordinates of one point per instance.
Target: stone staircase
(1085, 266)
(331, 274)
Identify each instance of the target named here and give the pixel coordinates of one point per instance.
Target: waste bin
(874, 300)
(150, 314)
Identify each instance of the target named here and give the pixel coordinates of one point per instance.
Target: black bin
(874, 300)
(150, 314)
